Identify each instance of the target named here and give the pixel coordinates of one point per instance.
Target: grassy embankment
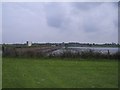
(57, 73)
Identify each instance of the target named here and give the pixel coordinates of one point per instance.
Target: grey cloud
(86, 5)
(54, 14)
(90, 27)
(55, 21)
(0, 22)
(58, 22)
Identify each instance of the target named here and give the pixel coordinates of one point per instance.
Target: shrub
(30, 53)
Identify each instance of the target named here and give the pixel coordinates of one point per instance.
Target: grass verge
(57, 73)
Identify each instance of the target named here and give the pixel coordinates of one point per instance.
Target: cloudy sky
(85, 22)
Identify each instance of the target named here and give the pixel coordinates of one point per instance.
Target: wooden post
(108, 54)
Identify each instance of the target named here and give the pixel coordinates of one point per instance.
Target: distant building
(29, 43)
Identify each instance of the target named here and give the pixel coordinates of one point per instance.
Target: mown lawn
(57, 73)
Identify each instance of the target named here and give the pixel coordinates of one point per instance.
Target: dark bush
(32, 53)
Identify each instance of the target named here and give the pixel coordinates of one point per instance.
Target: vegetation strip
(57, 73)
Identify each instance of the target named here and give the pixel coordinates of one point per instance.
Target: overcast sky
(60, 22)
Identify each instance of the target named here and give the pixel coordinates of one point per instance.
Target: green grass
(0, 72)
(56, 73)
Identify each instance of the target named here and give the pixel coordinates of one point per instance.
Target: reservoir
(103, 50)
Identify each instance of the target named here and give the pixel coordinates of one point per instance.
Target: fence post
(108, 54)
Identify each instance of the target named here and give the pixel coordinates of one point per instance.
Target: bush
(14, 52)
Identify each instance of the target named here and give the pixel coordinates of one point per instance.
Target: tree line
(36, 53)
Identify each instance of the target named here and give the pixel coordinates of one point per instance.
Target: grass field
(0, 71)
(56, 73)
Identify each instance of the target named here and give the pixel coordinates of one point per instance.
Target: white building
(29, 43)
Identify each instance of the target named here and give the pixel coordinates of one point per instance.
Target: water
(97, 49)
(103, 50)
